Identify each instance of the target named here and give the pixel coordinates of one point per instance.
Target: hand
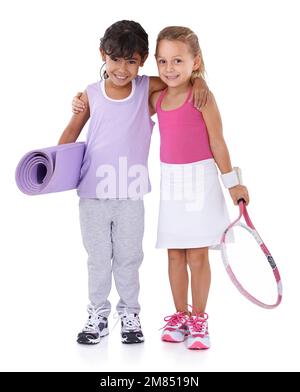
(200, 94)
(77, 104)
(237, 192)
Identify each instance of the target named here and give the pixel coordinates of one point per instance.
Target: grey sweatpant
(112, 233)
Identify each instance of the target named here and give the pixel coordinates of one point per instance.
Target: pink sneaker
(198, 336)
(175, 330)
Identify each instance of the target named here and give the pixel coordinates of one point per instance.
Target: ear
(144, 59)
(197, 63)
(102, 54)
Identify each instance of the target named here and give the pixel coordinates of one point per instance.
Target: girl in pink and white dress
(193, 213)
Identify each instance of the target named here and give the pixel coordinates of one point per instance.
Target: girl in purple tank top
(114, 178)
(193, 213)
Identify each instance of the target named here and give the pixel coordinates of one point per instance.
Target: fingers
(239, 192)
(244, 196)
(77, 108)
(197, 100)
(77, 104)
(238, 198)
(201, 99)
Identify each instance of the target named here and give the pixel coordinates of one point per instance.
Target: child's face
(122, 71)
(175, 62)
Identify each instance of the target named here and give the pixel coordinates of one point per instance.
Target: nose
(169, 67)
(122, 66)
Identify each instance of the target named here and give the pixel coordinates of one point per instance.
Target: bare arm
(152, 102)
(200, 95)
(76, 124)
(217, 143)
(156, 84)
(219, 148)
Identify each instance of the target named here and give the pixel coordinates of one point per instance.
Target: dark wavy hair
(123, 39)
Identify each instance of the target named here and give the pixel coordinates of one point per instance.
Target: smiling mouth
(171, 77)
(120, 77)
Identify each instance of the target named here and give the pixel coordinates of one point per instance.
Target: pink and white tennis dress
(193, 212)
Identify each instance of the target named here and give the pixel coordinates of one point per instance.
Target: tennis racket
(251, 229)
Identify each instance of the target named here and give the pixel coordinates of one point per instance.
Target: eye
(177, 61)
(161, 61)
(132, 62)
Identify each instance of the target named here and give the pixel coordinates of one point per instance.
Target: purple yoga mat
(52, 169)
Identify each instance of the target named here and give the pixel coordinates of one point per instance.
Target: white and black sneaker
(95, 327)
(131, 331)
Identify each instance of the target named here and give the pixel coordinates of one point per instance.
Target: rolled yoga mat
(52, 169)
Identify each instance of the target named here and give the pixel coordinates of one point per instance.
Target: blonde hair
(186, 35)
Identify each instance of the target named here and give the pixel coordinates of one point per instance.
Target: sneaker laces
(175, 319)
(94, 318)
(197, 323)
(130, 321)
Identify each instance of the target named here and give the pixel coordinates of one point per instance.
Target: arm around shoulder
(76, 124)
(156, 84)
(153, 101)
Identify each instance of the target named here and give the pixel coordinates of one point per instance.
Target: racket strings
(234, 255)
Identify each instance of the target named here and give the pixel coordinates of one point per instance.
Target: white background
(49, 51)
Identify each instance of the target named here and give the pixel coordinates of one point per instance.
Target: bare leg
(200, 277)
(179, 280)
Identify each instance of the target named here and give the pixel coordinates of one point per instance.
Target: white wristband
(232, 178)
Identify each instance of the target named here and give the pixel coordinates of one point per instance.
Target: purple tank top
(115, 164)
